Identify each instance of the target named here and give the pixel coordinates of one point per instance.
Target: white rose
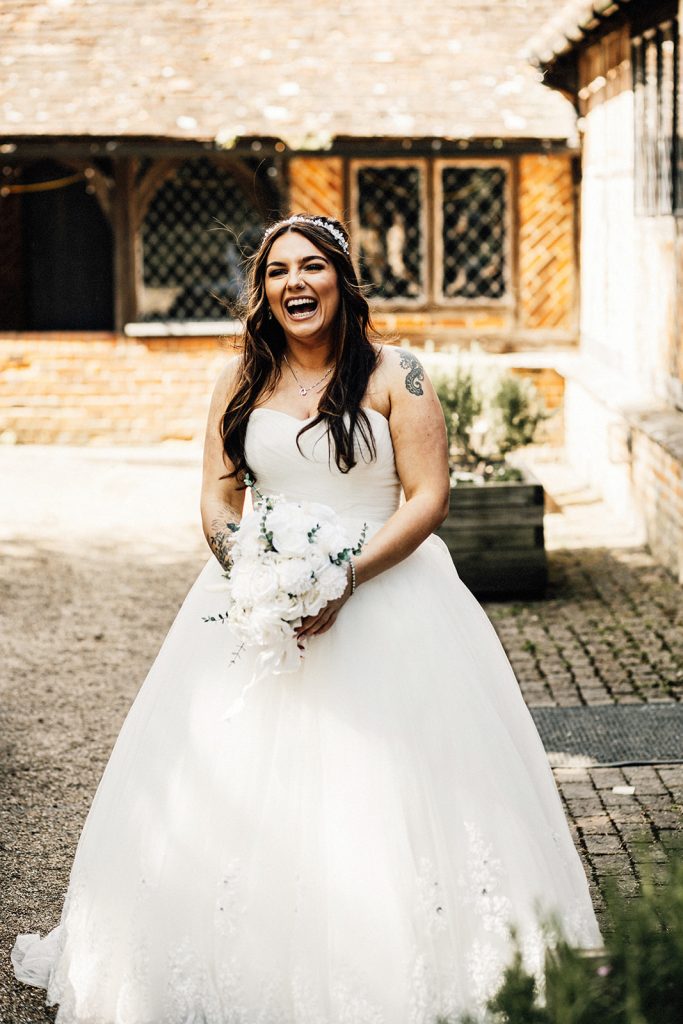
(263, 582)
(285, 607)
(289, 530)
(240, 582)
(331, 538)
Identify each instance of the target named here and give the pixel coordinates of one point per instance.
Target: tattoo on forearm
(414, 375)
(219, 536)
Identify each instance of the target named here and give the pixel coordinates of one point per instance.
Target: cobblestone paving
(610, 631)
(622, 836)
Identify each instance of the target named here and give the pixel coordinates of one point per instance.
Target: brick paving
(94, 572)
(610, 631)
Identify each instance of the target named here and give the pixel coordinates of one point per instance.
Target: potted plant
(494, 528)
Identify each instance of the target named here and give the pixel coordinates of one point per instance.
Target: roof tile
(204, 69)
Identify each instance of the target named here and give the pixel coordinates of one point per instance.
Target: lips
(301, 308)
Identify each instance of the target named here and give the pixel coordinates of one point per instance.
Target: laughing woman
(355, 845)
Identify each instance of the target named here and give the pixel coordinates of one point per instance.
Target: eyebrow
(304, 259)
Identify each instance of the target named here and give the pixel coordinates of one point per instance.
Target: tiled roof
(302, 71)
(566, 27)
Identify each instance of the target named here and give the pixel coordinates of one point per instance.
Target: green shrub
(517, 409)
(461, 403)
(488, 414)
(637, 979)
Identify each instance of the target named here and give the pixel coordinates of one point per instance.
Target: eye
(276, 272)
(315, 266)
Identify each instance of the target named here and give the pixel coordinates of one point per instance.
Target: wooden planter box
(495, 536)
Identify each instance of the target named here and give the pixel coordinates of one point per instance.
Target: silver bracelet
(353, 574)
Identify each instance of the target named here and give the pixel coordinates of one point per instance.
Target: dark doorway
(63, 273)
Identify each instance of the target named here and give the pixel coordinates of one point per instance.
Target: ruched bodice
(370, 491)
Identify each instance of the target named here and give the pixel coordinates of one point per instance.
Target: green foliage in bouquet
(488, 414)
(636, 979)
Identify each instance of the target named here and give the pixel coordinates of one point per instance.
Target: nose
(294, 278)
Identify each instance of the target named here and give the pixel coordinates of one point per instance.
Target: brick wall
(316, 185)
(547, 262)
(104, 389)
(658, 482)
(634, 459)
(543, 311)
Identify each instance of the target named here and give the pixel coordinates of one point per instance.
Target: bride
(356, 845)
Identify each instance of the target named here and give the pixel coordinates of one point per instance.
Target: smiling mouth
(301, 308)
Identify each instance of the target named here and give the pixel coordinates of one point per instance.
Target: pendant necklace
(303, 391)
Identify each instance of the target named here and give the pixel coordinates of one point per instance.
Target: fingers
(318, 624)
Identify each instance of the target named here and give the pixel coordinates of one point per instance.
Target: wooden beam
(125, 250)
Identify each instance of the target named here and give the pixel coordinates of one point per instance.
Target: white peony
(294, 574)
(332, 581)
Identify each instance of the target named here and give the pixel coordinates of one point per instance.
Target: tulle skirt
(351, 847)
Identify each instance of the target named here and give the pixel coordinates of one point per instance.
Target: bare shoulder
(226, 382)
(405, 372)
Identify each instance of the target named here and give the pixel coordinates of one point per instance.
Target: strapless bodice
(370, 491)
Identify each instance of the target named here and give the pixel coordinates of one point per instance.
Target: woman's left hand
(315, 625)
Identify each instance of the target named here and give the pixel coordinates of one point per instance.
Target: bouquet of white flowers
(288, 559)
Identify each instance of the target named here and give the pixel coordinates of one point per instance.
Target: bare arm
(221, 500)
(418, 433)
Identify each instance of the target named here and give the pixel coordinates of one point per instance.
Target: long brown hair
(355, 356)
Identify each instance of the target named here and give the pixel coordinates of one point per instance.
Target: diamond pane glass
(666, 119)
(473, 232)
(196, 231)
(390, 243)
(651, 126)
(641, 182)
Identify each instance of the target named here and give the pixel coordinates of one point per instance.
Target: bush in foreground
(636, 979)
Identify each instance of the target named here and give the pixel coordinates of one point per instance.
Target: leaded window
(197, 229)
(473, 232)
(450, 216)
(654, 60)
(390, 230)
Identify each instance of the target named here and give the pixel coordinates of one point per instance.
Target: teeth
(299, 302)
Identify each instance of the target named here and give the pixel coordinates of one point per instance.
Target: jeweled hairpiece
(330, 228)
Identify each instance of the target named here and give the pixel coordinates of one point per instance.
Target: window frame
(400, 302)
(431, 224)
(505, 301)
(657, 177)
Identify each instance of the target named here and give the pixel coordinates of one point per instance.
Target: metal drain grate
(612, 734)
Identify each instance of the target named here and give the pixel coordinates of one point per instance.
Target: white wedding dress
(352, 846)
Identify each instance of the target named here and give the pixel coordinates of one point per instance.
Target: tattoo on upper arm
(414, 375)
